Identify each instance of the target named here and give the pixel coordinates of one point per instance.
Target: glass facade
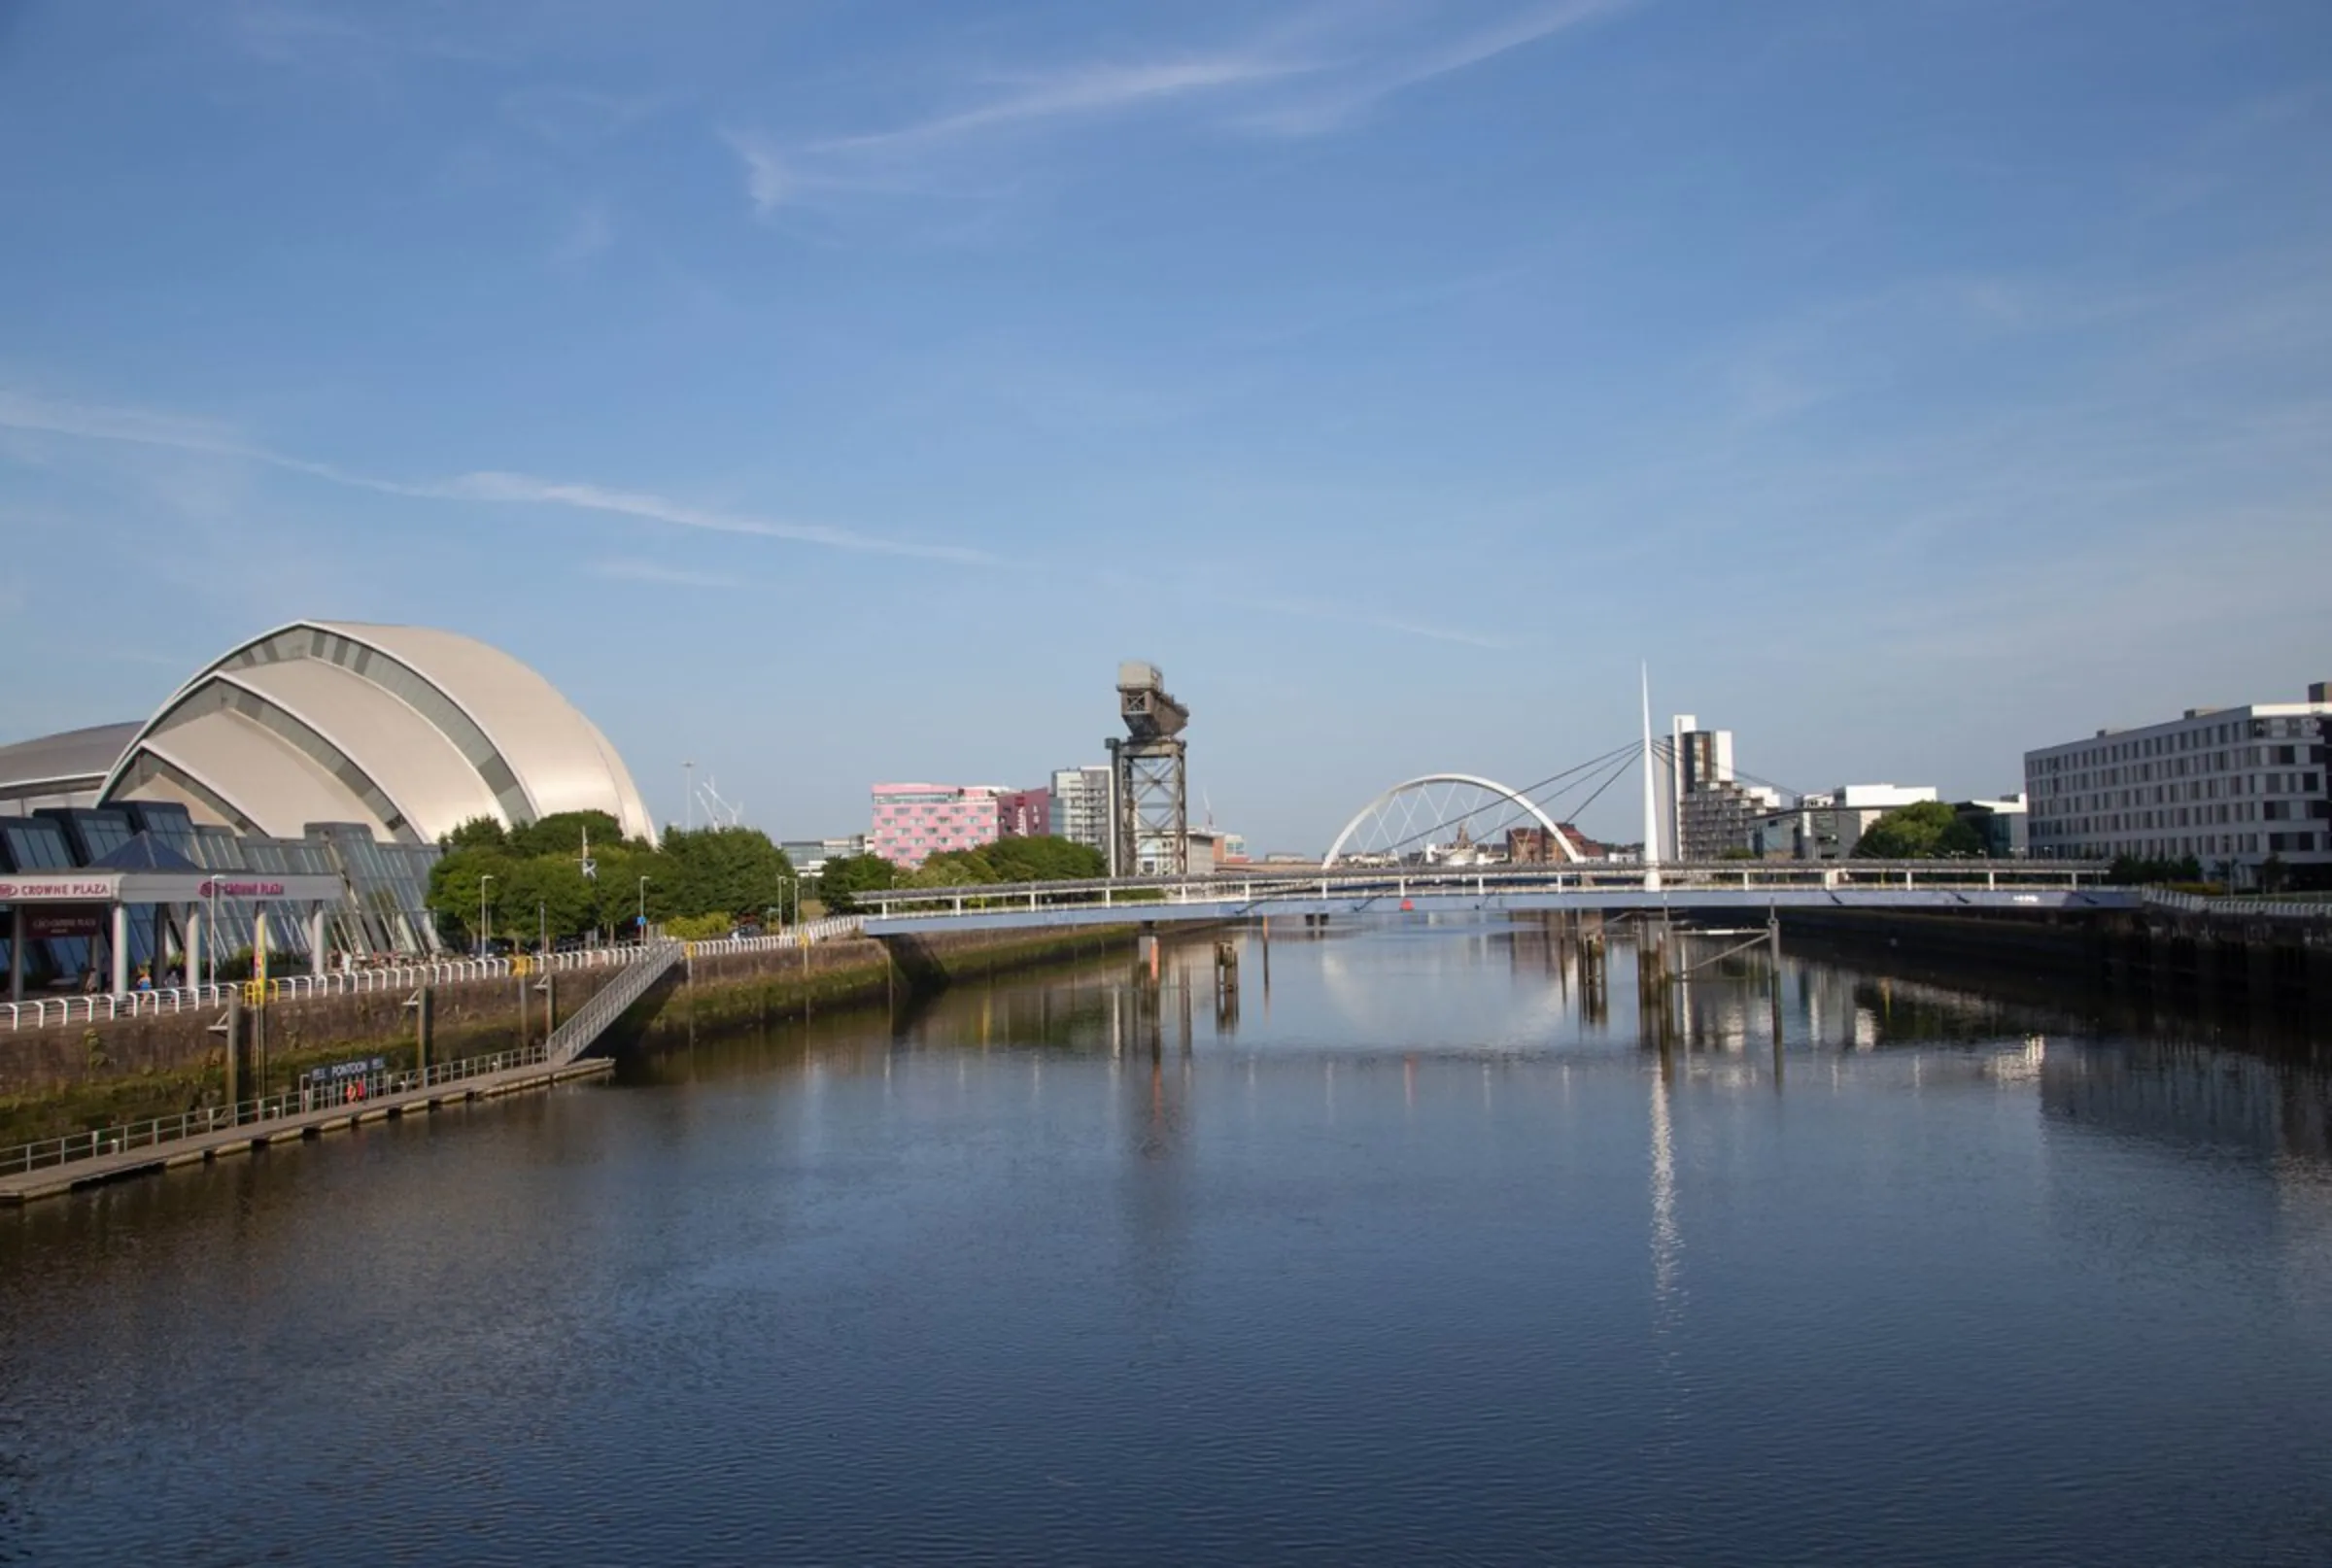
(385, 910)
(39, 845)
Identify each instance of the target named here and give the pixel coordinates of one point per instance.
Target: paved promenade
(54, 1180)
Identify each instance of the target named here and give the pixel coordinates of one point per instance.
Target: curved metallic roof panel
(72, 755)
(268, 780)
(431, 728)
(428, 782)
(565, 763)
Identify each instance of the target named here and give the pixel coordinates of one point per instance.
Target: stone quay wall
(73, 1077)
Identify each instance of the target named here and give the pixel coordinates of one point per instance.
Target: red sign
(220, 888)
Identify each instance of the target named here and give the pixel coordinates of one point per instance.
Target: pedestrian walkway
(49, 1182)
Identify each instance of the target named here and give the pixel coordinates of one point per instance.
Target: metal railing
(1345, 881)
(2162, 898)
(575, 1036)
(792, 936)
(47, 1012)
(257, 1116)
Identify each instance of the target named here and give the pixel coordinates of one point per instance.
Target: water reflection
(1441, 1253)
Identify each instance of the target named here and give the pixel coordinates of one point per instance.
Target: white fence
(50, 1013)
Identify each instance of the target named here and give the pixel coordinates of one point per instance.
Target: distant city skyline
(831, 399)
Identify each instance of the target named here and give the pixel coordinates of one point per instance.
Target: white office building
(2231, 787)
(1081, 801)
(1828, 824)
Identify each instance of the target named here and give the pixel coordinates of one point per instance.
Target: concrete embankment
(63, 1080)
(2272, 977)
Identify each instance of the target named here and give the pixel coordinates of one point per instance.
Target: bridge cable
(1625, 755)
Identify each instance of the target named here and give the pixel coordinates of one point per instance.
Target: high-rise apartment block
(1711, 814)
(1082, 810)
(2232, 787)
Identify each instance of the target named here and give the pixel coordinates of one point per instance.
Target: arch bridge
(1411, 812)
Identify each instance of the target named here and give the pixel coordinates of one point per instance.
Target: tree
(848, 875)
(478, 832)
(454, 882)
(547, 896)
(951, 868)
(731, 872)
(2132, 870)
(1926, 830)
(562, 833)
(1044, 859)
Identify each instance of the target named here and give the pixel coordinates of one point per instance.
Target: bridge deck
(996, 909)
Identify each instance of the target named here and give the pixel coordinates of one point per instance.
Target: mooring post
(1774, 959)
(234, 1052)
(421, 1030)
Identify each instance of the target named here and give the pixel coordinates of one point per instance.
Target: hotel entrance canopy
(187, 897)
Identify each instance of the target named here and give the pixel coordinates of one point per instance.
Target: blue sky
(835, 391)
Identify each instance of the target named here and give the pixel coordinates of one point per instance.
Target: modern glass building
(317, 749)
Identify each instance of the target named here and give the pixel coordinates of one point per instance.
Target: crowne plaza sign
(64, 888)
(221, 888)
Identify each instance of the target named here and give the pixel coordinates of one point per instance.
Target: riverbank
(2254, 983)
(56, 1082)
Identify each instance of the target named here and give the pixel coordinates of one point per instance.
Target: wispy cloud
(1361, 616)
(768, 180)
(592, 230)
(25, 412)
(655, 571)
(572, 118)
(1348, 99)
(302, 33)
(1081, 93)
(588, 498)
(19, 411)
(1305, 76)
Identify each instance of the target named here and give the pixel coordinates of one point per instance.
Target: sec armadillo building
(320, 749)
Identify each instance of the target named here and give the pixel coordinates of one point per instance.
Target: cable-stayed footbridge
(1455, 841)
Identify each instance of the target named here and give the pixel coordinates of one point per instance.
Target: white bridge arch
(1425, 782)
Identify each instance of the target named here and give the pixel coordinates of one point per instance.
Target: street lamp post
(642, 925)
(482, 881)
(542, 918)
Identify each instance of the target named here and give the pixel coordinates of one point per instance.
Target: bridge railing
(2163, 898)
(1350, 882)
(611, 1001)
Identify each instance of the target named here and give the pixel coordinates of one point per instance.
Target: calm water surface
(1413, 1259)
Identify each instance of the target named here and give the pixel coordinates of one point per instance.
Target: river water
(1408, 1257)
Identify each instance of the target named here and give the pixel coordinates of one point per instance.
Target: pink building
(913, 822)
(1024, 813)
